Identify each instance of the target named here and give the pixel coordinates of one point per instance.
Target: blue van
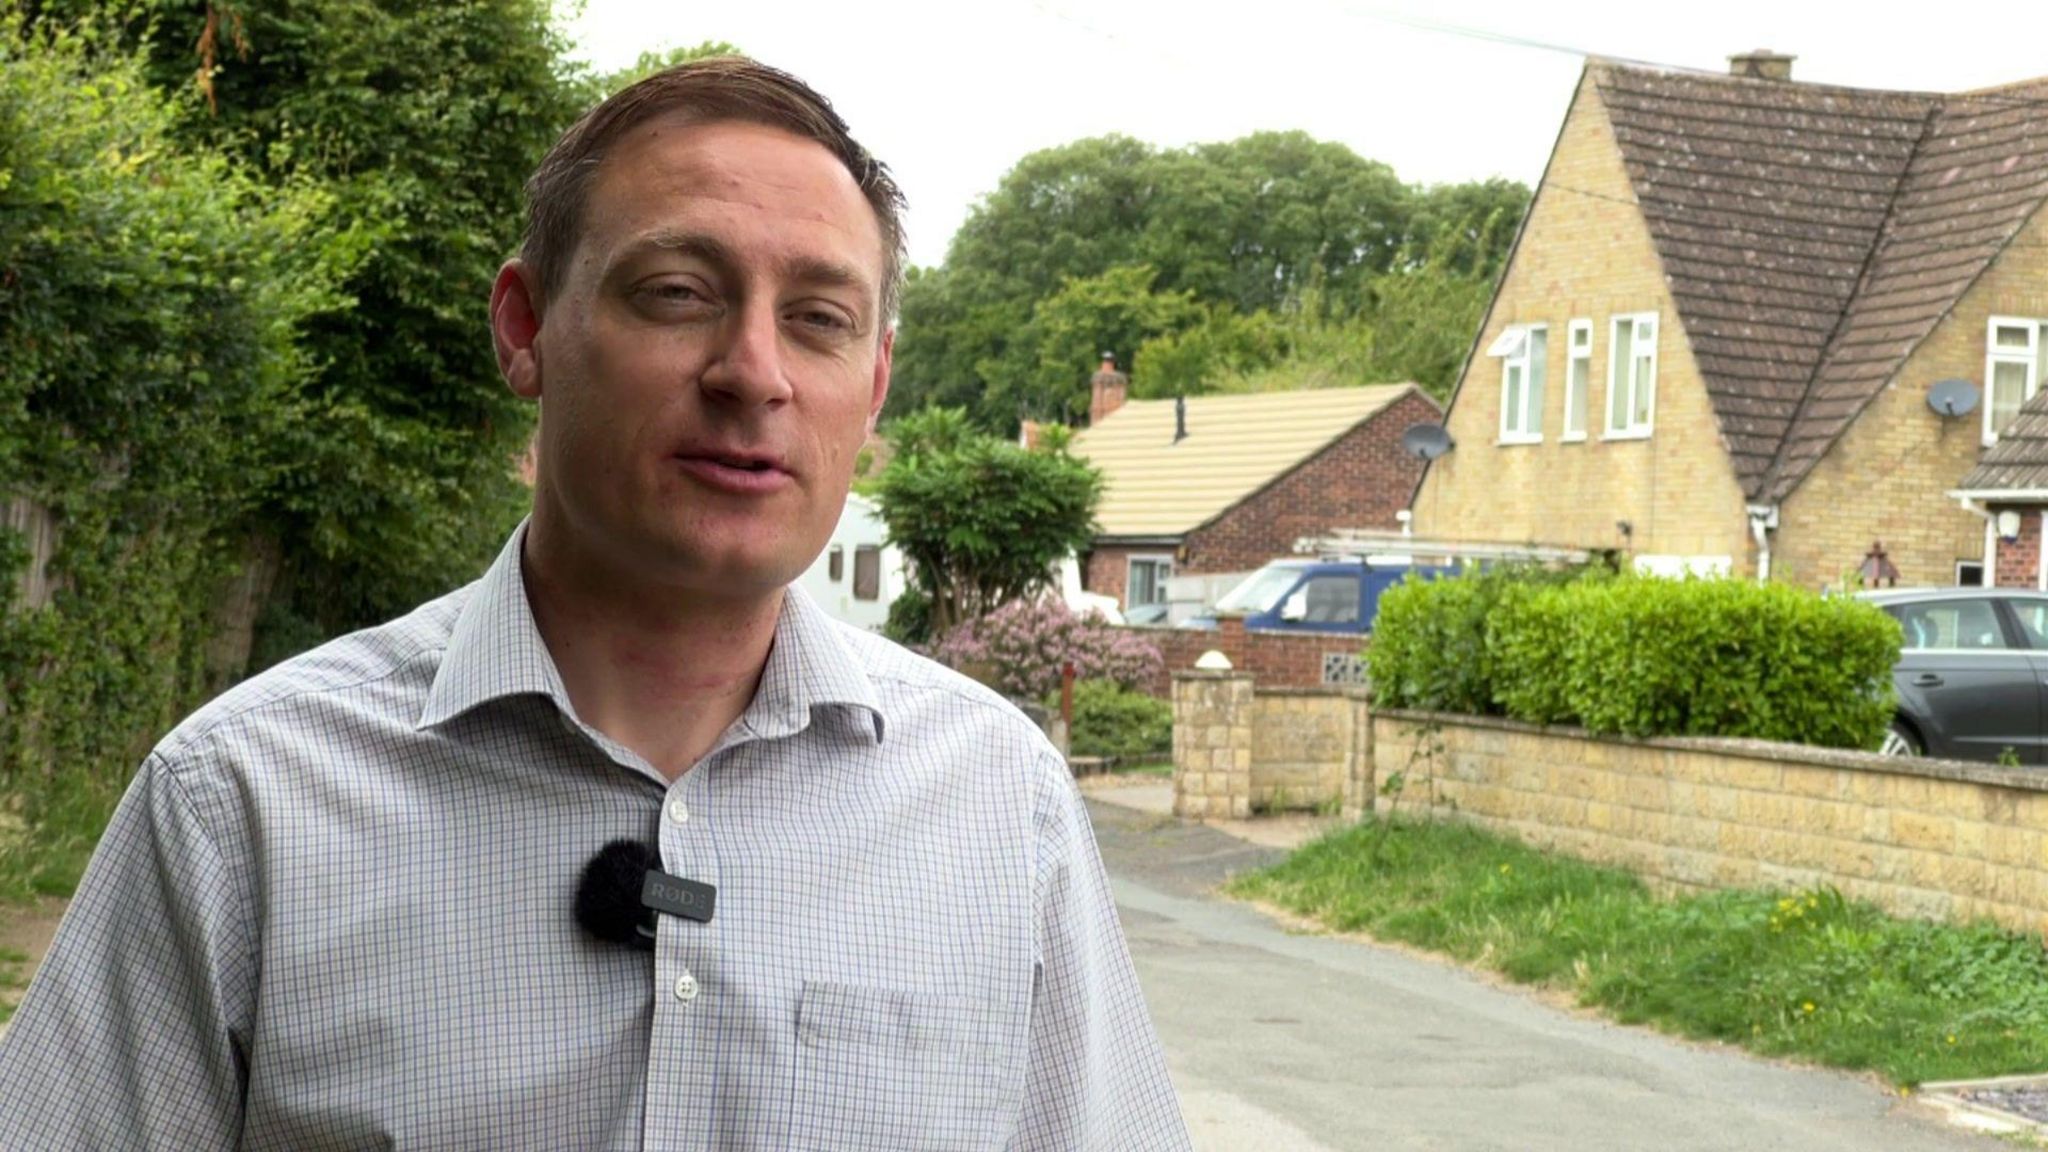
(1311, 595)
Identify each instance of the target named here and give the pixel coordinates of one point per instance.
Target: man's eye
(673, 291)
(823, 319)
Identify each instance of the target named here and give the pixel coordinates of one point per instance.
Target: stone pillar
(1358, 767)
(1212, 745)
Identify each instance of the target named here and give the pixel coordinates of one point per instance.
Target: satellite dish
(1426, 441)
(1952, 398)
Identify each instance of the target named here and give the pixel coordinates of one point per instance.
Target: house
(858, 575)
(1221, 484)
(1756, 325)
(2010, 490)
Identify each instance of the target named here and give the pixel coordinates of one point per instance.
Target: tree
(422, 122)
(980, 520)
(1244, 240)
(650, 62)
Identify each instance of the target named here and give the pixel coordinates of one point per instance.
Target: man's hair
(719, 88)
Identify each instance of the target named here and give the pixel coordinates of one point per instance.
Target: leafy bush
(1023, 644)
(151, 305)
(1111, 720)
(1429, 647)
(1643, 657)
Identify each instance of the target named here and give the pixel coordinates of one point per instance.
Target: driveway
(1305, 1043)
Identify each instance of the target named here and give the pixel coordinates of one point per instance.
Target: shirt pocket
(903, 1071)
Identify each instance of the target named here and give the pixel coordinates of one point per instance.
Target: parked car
(1309, 596)
(1972, 673)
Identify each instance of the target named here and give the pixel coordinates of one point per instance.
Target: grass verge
(1163, 769)
(1809, 975)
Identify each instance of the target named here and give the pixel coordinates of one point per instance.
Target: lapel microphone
(623, 887)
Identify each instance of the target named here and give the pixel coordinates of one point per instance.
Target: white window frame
(1513, 347)
(2029, 358)
(1130, 568)
(1577, 354)
(1621, 382)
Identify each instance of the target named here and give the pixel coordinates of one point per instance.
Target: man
(335, 908)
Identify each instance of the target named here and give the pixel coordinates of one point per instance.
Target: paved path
(1308, 1043)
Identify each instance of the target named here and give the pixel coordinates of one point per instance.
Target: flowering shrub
(1022, 645)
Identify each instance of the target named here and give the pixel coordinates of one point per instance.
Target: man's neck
(660, 671)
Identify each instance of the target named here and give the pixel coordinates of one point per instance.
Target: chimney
(1762, 64)
(1106, 390)
(1180, 419)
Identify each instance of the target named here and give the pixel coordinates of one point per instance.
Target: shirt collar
(809, 666)
(495, 650)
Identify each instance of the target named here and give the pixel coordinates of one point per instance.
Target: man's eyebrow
(798, 269)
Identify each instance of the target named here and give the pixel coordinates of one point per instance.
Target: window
(1951, 625)
(1331, 600)
(867, 572)
(1523, 351)
(1146, 581)
(835, 564)
(2033, 617)
(1969, 573)
(2015, 359)
(1632, 376)
(1578, 377)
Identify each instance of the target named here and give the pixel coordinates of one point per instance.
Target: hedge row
(1640, 656)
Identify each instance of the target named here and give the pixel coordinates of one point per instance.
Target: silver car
(1971, 673)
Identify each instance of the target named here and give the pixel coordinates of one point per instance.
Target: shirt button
(678, 812)
(686, 987)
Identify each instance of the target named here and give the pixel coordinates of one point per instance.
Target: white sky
(952, 94)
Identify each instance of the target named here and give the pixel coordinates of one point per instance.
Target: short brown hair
(712, 89)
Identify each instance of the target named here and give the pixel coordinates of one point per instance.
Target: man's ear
(883, 357)
(515, 327)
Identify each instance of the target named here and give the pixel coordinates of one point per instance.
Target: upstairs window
(1632, 376)
(2015, 359)
(1578, 377)
(1523, 351)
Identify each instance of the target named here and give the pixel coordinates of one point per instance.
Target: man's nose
(747, 366)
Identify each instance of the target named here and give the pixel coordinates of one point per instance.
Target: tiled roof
(1235, 446)
(1812, 236)
(2019, 461)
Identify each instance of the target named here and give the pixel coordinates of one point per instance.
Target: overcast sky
(951, 94)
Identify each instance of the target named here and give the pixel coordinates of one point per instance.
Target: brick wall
(1925, 838)
(2019, 561)
(1586, 254)
(1359, 481)
(1277, 659)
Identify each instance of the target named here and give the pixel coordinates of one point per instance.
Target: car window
(1951, 624)
(1332, 600)
(2033, 617)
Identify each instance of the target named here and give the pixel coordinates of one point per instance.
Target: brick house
(1714, 342)
(1222, 484)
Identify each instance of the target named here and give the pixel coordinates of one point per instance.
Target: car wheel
(1899, 740)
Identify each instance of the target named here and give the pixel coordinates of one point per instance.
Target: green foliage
(1111, 720)
(650, 62)
(422, 122)
(1807, 974)
(1194, 265)
(151, 300)
(1642, 656)
(980, 520)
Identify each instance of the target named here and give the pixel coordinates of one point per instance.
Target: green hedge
(1642, 657)
(1110, 720)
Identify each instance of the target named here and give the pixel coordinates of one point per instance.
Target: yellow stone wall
(1918, 838)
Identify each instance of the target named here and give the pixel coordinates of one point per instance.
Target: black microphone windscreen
(608, 893)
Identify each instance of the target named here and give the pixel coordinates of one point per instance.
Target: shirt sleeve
(1097, 1077)
(131, 1033)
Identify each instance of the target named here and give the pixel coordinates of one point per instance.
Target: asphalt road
(1287, 1042)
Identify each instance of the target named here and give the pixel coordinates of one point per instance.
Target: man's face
(711, 361)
